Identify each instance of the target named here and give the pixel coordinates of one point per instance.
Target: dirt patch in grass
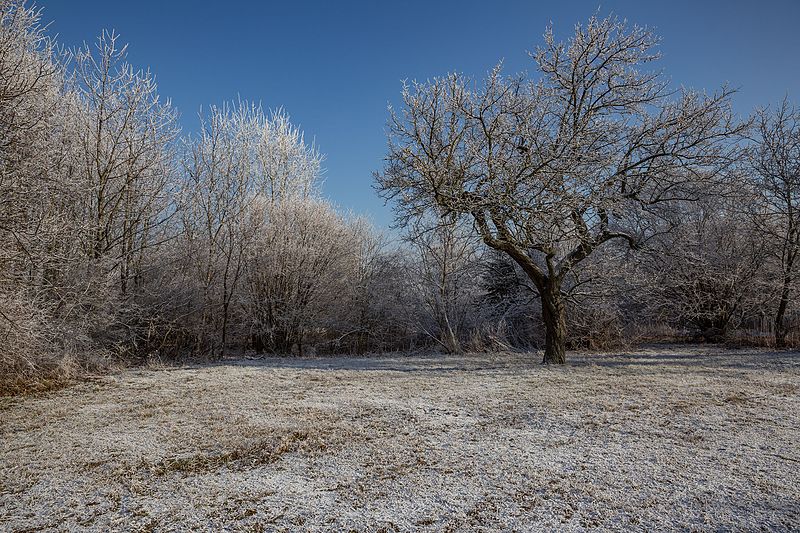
(246, 455)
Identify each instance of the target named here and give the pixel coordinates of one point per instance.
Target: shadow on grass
(660, 356)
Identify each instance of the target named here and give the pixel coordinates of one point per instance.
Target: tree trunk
(780, 327)
(224, 329)
(554, 314)
(447, 336)
(257, 342)
(283, 339)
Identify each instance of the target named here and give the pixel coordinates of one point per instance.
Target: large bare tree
(552, 168)
(775, 165)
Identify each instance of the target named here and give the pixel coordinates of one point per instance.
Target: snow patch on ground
(664, 438)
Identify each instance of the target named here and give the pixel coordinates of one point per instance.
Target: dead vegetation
(674, 439)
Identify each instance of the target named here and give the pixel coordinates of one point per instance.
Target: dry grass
(661, 439)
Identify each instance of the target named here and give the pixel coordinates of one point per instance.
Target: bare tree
(244, 162)
(38, 222)
(126, 138)
(703, 277)
(449, 261)
(362, 322)
(217, 195)
(34, 143)
(775, 165)
(296, 269)
(551, 169)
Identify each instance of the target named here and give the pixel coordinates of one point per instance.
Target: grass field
(668, 437)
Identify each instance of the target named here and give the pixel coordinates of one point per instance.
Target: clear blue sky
(335, 65)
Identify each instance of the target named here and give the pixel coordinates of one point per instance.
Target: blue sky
(335, 66)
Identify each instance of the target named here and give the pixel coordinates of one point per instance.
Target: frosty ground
(662, 438)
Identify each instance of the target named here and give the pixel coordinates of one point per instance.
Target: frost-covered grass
(663, 438)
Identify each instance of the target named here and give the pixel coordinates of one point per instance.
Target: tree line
(587, 206)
